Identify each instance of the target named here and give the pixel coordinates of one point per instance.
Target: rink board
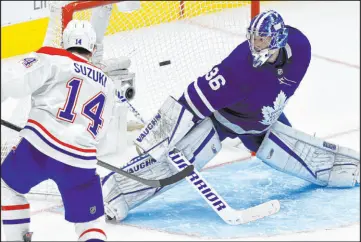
(304, 207)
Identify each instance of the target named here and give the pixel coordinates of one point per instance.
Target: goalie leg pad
(309, 158)
(122, 194)
(167, 127)
(201, 144)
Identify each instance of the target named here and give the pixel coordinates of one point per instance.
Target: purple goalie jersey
(245, 99)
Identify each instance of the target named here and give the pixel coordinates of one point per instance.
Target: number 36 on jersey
(215, 81)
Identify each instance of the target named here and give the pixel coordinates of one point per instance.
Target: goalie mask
(79, 33)
(265, 34)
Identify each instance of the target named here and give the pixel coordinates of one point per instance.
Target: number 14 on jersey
(92, 109)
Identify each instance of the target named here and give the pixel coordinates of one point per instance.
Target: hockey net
(170, 44)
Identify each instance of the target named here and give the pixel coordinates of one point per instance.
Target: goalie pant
(283, 148)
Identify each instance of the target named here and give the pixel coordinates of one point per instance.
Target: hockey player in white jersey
(73, 103)
(241, 97)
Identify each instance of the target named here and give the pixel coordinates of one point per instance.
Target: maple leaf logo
(271, 114)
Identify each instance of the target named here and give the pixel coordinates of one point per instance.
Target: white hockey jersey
(71, 104)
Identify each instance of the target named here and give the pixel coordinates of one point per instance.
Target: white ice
(326, 104)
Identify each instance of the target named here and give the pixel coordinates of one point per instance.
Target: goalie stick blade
(177, 177)
(254, 213)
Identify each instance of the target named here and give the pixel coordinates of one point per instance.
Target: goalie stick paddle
(152, 183)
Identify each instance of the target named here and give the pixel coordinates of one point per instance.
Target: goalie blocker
(309, 158)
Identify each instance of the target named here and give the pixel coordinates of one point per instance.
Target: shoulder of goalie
(307, 157)
(121, 194)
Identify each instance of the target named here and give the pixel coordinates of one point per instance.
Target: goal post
(255, 8)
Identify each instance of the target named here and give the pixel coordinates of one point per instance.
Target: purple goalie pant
(80, 189)
(252, 142)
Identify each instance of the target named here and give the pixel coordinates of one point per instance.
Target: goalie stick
(208, 193)
(216, 202)
(152, 183)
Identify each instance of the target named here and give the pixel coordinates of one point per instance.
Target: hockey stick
(131, 108)
(208, 193)
(152, 183)
(220, 206)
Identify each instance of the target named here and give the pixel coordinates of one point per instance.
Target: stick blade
(257, 212)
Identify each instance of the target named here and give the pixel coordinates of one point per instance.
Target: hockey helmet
(267, 27)
(79, 33)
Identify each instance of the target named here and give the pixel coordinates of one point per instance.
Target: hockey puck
(164, 63)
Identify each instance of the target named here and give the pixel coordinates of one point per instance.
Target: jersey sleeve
(217, 89)
(26, 76)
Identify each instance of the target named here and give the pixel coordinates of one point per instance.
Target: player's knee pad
(15, 213)
(92, 230)
(309, 158)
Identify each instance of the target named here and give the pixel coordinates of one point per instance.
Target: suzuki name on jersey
(97, 76)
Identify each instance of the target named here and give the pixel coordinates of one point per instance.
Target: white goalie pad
(201, 144)
(166, 128)
(121, 194)
(310, 158)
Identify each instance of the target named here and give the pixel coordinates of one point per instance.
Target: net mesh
(170, 44)
(191, 36)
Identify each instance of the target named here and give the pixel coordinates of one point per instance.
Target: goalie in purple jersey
(242, 97)
(248, 90)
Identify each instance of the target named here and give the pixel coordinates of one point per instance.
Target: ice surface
(327, 103)
(304, 207)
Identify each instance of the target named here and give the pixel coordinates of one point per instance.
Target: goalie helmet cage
(170, 44)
